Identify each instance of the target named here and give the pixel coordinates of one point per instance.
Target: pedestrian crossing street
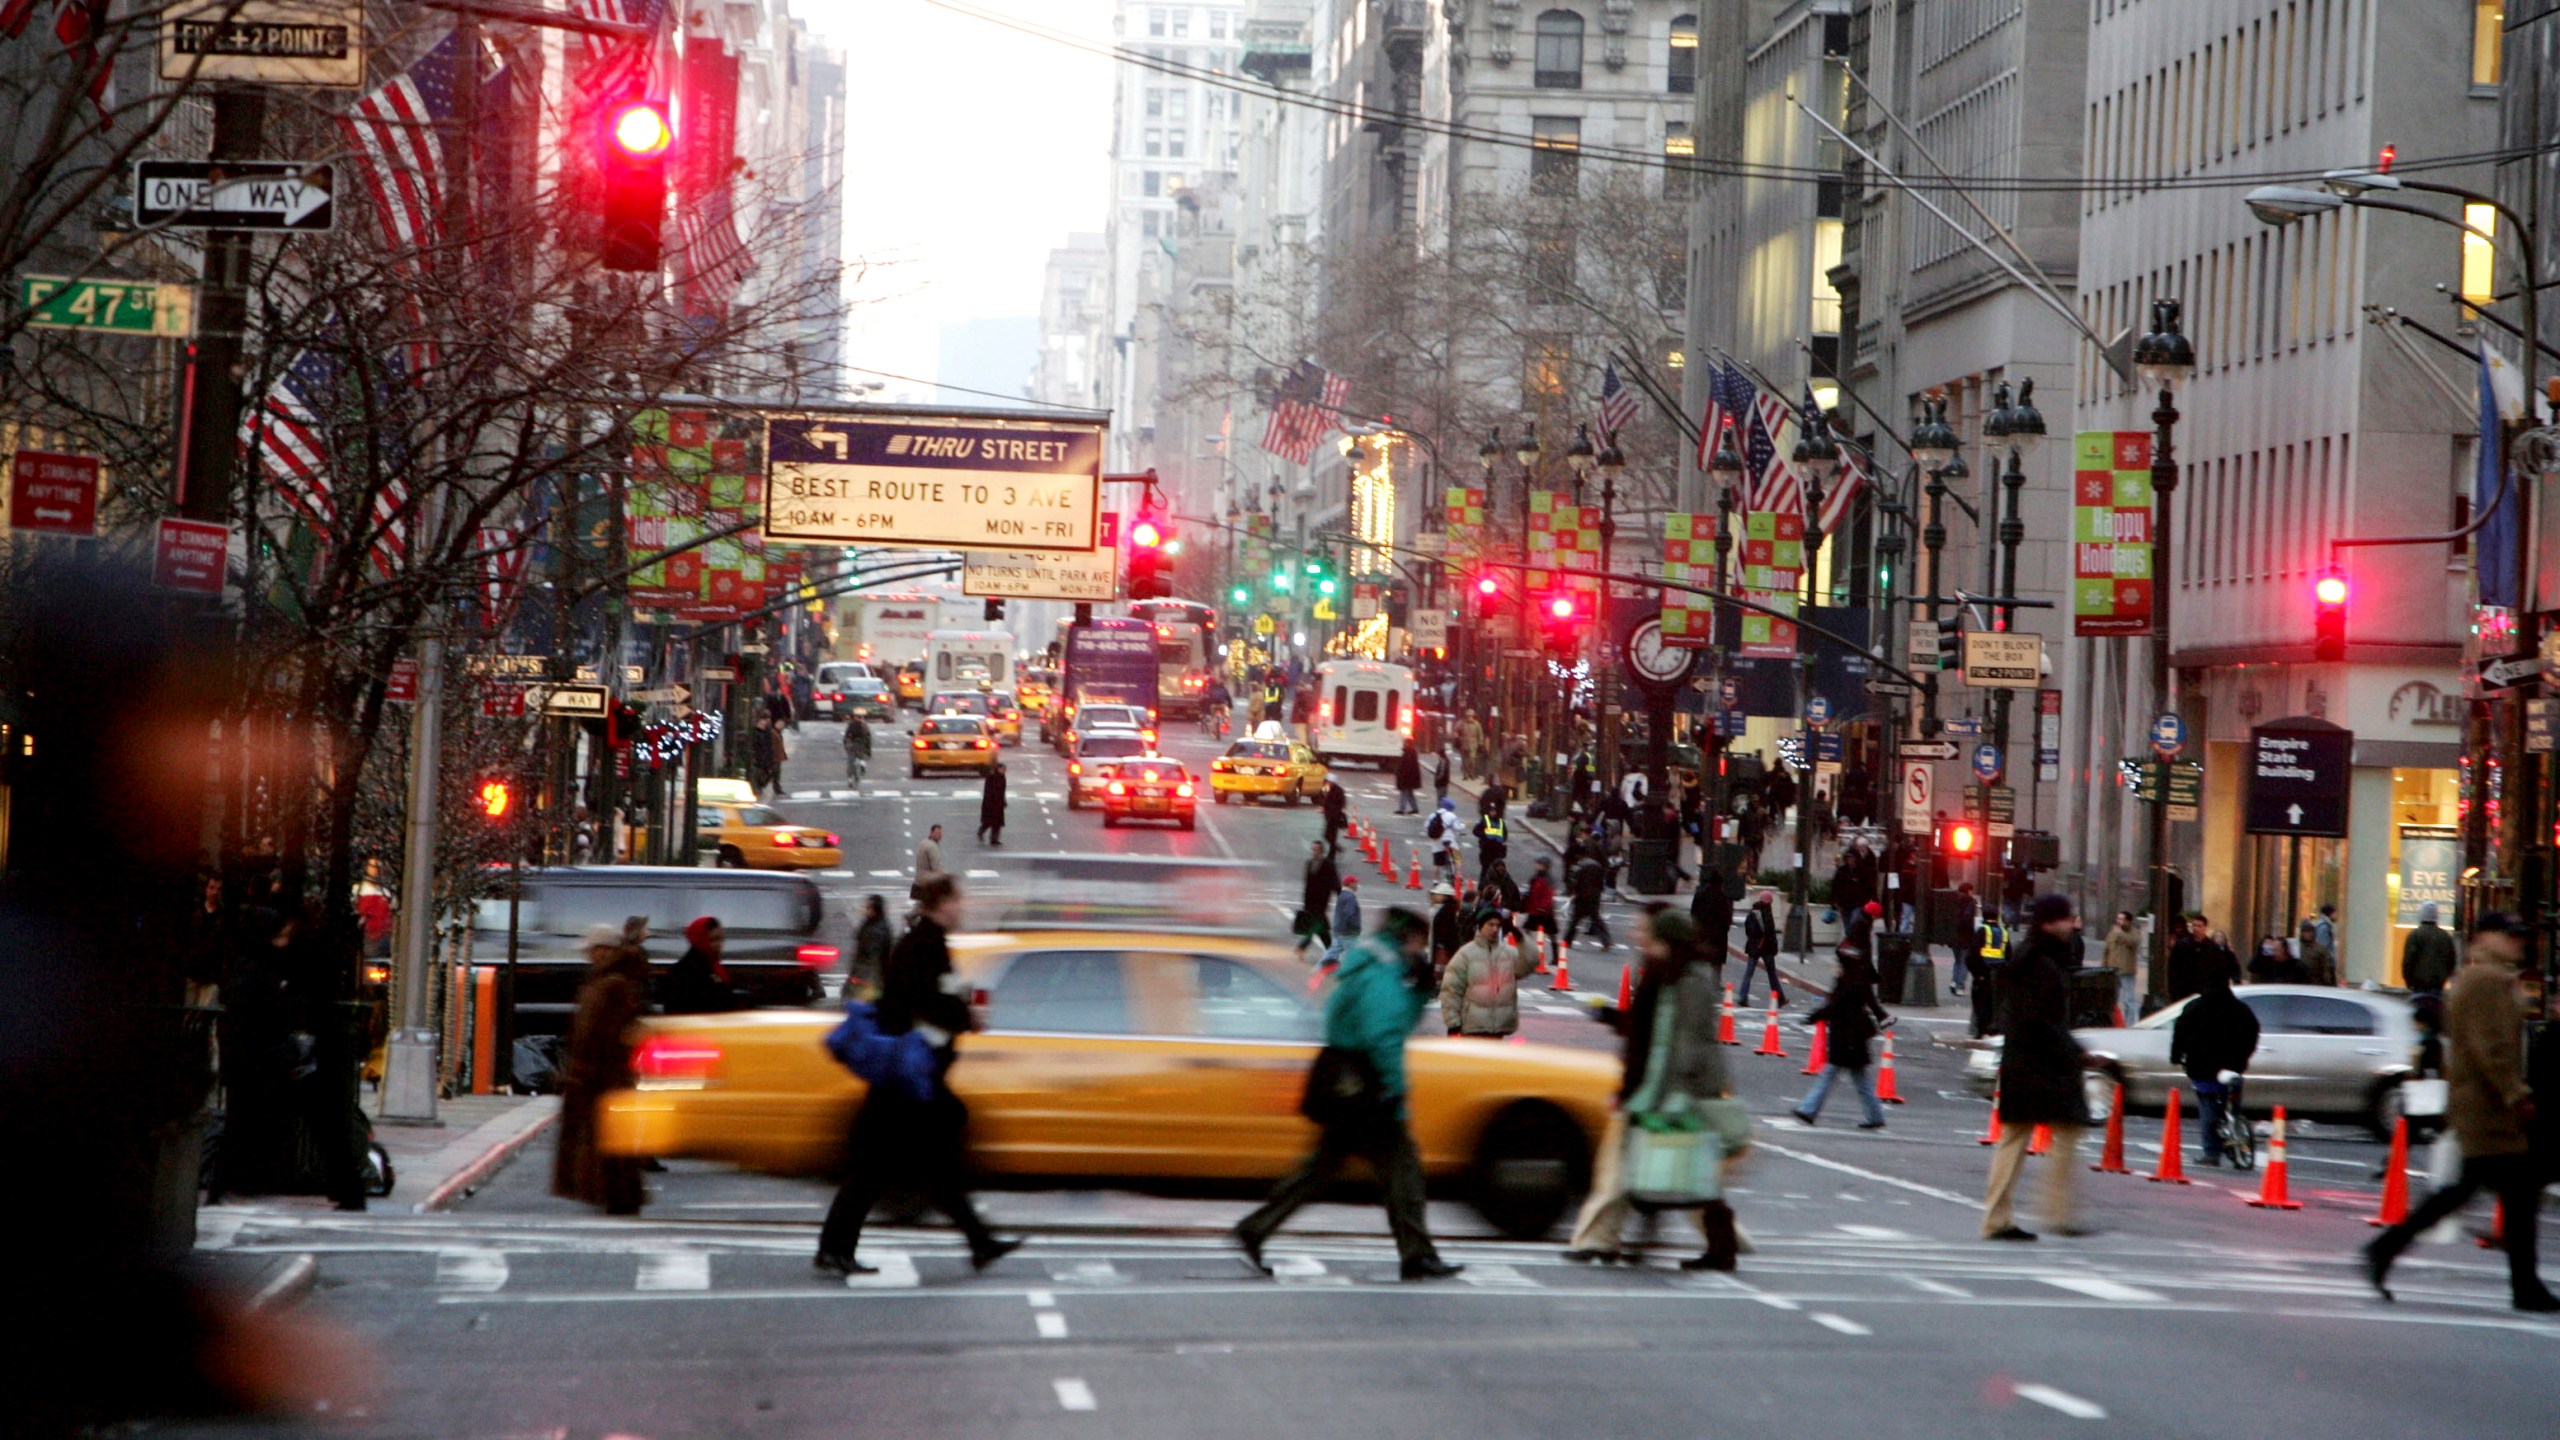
(1868, 1271)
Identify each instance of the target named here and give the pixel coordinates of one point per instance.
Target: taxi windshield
(949, 725)
(1258, 750)
(1111, 745)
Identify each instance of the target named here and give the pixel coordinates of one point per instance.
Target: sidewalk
(471, 1139)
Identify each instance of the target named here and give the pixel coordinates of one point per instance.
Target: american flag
(1617, 407)
(288, 437)
(1309, 401)
(1728, 402)
(716, 261)
(1844, 491)
(617, 64)
(503, 551)
(395, 134)
(1780, 490)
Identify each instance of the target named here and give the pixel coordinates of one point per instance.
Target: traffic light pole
(2164, 485)
(409, 1057)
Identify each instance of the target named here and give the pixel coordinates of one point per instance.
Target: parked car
(1110, 1051)
(781, 938)
(2322, 1051)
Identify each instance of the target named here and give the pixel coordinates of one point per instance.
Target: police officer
(1988, 960)
(1493, 844)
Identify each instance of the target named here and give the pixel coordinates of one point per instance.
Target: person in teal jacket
(1378, 995)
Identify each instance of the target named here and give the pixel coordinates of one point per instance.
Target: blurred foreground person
(612, 996)
(1356, 1094)
(1675, 1091)
(2040, 1067)
(2492, 1111)
(900, 1136)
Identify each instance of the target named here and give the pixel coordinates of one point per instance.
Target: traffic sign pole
(209, 382)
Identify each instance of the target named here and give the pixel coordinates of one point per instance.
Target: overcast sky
(971, 151)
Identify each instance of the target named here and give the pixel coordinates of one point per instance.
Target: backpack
(902, 1062)
(1439, 826)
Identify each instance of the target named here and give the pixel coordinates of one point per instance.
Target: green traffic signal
(1280, 581)
(1324, 586)
(1240, 595)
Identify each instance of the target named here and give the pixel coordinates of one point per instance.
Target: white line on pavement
(1484, 1274)
(2064, 1401)
(2098, 1288)
(897, 1271)
(477, 1271)
(1052, 1325)
(1896, 1181)
(1041, 1299)
(1077, 1395)
(1296, 1267)
(1937, 1287)
(674, 1270)
(1841, 1323)
(1874, 1232)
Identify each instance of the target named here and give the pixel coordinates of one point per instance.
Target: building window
(1559, 54)
(2488, 40)
(1217, 24)
(1677, 149)
(1149, 223)
(1153, 184)
(1155, 103)
(1684, 54)
(1155, 23)
(1825, 319)
(1555, 154)
(1177, 105)
(1155, 143)
(1173, 145)
(1181, 24)
(1545, 372)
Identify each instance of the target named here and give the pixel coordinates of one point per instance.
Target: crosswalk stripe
(1497, 1276)
(2097, 1288)
(2064, 1401)
(1088, 1272)
(478, 1271)
(674, 1270)
(897, 1272)
(1297, 1267)
(1051, 1324)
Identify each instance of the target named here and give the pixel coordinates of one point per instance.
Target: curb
(487, 1163)
(285, 1281)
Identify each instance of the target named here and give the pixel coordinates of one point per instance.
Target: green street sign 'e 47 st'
(118, 307)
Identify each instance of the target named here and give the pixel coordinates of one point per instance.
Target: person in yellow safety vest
(1987, 963)
(1272, 697)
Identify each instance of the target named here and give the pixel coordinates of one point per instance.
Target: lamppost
(1582, 459)
(1725, 468)
(2162, 360)
(1933, 449)
(2022, 426)
(1817, 455)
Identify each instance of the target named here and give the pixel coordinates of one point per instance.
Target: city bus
(1101, 662)
(1186, 651)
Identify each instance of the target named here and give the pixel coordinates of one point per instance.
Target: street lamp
(1579, 456)
(1528, 453)
(2162, 360)
(1933, 441)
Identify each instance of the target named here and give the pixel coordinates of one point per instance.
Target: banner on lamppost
(1688, 557)
(2111, 543)
(1772, 568)
(1466, 505)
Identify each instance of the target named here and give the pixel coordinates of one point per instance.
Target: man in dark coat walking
(896, 1135)
(2040, 1067)
(2427, 957)
(1712, 909)
(1315, 898)
(1337, 813)
(991, 808)
(1409, 781)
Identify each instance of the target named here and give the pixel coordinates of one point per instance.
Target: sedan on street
(1151, 788)
(950, 742)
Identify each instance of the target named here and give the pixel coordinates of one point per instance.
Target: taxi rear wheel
(1220, 796)
(1529, 1166)
(1296, 794)
(732, 858)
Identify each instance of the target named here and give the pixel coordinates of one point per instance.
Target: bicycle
(1213, 721)
(2239, 1137)
(854, 765)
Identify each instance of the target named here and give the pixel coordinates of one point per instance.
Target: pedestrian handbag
(902, 1063)
(1343, 1087)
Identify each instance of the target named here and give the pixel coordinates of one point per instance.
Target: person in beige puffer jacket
(1480, 991)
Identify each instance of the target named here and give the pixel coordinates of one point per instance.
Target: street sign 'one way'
(235, 194)
(2298, 773)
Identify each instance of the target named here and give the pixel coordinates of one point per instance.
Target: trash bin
(2093, 998)
(1893, 958)
(1649, 867)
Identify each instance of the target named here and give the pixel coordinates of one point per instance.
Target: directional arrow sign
(2511, 671)
(663, 695)
(235, 194)
(2298, 773)
(1927, 749)
(572, 700)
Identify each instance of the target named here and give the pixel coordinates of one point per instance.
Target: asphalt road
(1867, 1307)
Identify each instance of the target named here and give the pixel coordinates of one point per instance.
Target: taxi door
(1311, 771)
(1248, 1037)
(1071, 1068)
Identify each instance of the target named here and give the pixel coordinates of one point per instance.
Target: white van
(968, 660)
(1364, 711)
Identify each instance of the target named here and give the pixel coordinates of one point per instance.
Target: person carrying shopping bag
(1676, 1125)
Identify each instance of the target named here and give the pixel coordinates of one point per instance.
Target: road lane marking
(1296, 1267)
(1088, 1272)
(897, 1271)
(1874, 1232)
(674, 1270)
(1480, 1273)
(2062, 1400)
(1775, 1302)
(1841, 1323)
(475, 1271)
(2099, 1288)
(1052, 1325)
(1041, 1299)
(1077, 1395)
(1937, 1287)
(1914, 1186)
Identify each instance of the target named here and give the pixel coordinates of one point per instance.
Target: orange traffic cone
(2395, 1179)
(1564, 973)
(2272, 1191)
(2111, 1162)
(2172, 1169)
(1724, 1020)
(1413, 880)
(1820, 1053)
(1886, 1089)
(1387, 861)
(2496, 1239)
(1991, 1132)
(1770, 1044)
(1626, 987)
(1545, 943)
(2040, 1140)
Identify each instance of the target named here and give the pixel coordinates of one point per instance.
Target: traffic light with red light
(1959, 847)
(2329, 617)
(1148, 538)
(497, 799)
(634, 136)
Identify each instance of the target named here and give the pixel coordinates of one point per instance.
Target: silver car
(2321, 1051)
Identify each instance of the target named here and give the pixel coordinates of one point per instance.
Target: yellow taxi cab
(1152, 787)
(911, 684)
(950, 742)
(756, 837)
(1268, 763)
(1114, 1047)
(1033, 687)
(1007, 715)
(961, 702)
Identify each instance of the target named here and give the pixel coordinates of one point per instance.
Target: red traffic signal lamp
(634, 136)
(2329, 617)
(496, 798)
(1963, 841)
(1146, 534)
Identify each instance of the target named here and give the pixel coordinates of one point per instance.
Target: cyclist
(857, 748)
(2214, 1037)
(1215, 705)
